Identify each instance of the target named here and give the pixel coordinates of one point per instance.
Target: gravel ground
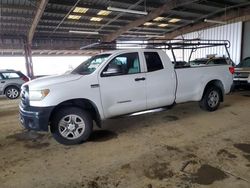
(182, 147)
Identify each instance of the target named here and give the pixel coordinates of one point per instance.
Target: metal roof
(52, 31)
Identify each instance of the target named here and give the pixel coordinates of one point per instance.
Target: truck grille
(25, 96)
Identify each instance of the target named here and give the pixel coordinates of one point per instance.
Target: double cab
(117, 83)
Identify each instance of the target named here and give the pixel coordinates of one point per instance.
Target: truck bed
(192, 79)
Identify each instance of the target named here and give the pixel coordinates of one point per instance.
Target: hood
(44, 82)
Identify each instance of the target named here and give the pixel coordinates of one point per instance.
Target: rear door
(122, 85)
(160, 80)
(11, 78)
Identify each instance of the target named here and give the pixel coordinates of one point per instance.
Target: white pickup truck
(117, 83)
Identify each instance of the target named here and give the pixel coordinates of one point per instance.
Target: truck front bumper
(35, 118)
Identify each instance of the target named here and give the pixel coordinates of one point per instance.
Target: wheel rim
(12, 93)
(213, 99)
(71, 127)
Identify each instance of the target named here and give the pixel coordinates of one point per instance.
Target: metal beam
(241, 14)
(171, 4)
(55, 15)
(17, 7)
(37, 18)
(101, 5)
(85, 17)
(21, 52)
(28, 60)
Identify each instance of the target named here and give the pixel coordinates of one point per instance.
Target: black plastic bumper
(35, 118)
(240, 83)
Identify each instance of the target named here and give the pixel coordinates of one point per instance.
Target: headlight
(38, 95)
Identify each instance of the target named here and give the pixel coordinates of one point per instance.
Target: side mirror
(112, 71)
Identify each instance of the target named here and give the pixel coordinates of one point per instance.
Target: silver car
(11, 82)
(242, 73)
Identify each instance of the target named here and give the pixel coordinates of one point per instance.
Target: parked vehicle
(212, 61)
(242, 72)
(116, 83)
(10, 83)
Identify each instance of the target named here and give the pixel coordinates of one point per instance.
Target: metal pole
(28, 60)
(191, 53)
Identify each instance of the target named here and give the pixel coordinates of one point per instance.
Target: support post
(28, 60)
(27, 46)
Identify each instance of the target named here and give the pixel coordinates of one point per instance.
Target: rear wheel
(211, 99)
(12, 92)
(71, 126)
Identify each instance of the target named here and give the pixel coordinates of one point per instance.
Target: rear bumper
(35, 118)
(241, 82)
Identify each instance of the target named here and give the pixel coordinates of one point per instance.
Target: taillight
(231, 70)
(24, 78)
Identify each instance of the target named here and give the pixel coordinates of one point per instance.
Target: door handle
(94, 85)
(139, 79)
(2, 82)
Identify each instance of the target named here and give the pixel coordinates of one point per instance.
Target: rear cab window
(153, 61)
(217, 62)
(10, 75)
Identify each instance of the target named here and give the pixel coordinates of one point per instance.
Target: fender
(83, 104)
(216, 82)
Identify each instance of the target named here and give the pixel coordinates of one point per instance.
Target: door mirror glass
(113, 70)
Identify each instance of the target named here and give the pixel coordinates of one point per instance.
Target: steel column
(28, 60)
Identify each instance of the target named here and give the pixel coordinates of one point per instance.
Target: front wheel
(12, 92)
(71, 126)
(211, 99)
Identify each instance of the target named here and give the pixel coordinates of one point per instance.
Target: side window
(153, 61)
(123, 64)
(10, 75)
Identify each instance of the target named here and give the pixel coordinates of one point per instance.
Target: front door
(123, 85)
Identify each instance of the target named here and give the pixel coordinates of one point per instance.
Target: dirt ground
(184, 147)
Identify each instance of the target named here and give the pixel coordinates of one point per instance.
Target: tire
(12, 92)
(71, 125)
(211, 99)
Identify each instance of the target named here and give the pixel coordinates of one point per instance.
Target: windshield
(244, 63)
(90, 65)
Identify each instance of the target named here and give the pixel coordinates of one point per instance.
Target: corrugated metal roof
(16, 17)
